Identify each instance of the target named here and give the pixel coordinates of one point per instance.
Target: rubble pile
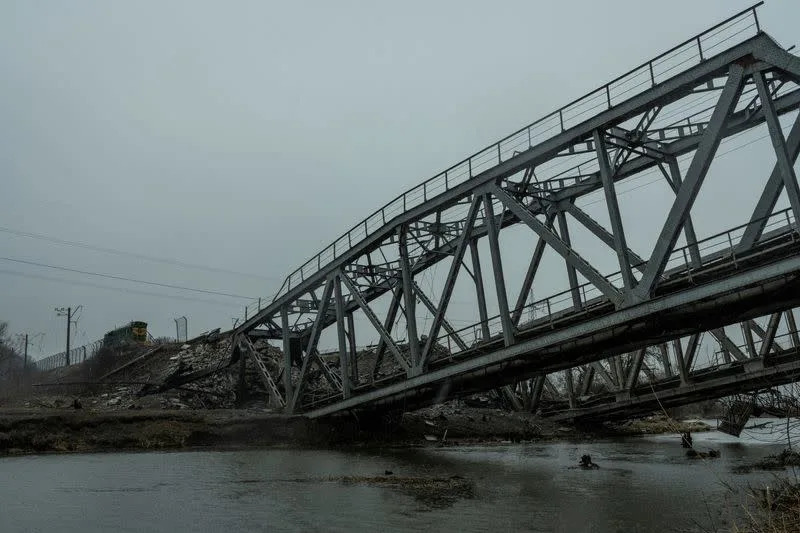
(203, 373)
(134, 379)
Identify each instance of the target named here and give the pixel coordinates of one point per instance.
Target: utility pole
(26, 340)
(60, 311)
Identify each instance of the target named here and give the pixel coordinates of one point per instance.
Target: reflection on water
(644, 484)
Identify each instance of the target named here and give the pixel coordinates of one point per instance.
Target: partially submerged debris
(695, 454)
(432, 491)
(779, 461)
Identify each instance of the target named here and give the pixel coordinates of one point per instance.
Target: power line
(122, 278)
(94, 248)
(118, 289)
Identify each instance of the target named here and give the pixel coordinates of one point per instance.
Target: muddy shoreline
(36, 430)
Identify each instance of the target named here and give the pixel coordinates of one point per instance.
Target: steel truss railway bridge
(607, 344)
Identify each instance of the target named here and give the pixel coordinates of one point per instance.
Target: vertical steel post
(69, 329)
(747, 333)
(351, 336)
(497, 267)
(409, 297)
(479, 290)
(344, 356)
(571, 274)
(570, 388)
(536, 393)
(287, 357)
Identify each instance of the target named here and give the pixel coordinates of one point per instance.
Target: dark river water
(644, 484)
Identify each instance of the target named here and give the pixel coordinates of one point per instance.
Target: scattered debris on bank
(658, 424)
(206, 375)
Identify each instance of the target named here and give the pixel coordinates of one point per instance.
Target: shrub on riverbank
(776, 509)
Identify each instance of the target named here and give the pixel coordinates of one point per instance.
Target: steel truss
(753, 354)
(367, 283)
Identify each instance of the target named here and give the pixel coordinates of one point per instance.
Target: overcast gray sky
(245, 136)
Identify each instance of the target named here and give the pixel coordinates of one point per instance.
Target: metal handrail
(589, 289)
(646, 75)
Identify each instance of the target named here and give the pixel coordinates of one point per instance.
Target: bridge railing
(721, 247)
(719, 355)
(726, 34)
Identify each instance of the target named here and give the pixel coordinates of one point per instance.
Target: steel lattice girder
(377, 281)
(667, 92)
(646, 389)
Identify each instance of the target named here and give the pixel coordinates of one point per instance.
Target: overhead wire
(115, 251)
(118, 289)
(122, 278)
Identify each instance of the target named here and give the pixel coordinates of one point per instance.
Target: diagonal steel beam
(727, 344)
(533, 267)
(311, 348)
(636, 366)
(694, 179)
(376, 323)
(618, 232)
(586, 380)
(445, 324)
(756, 327)
(770, 194)
(769, 337)
(536, 392)
(600, 232)
(569, 255)
(683, 372)
(450, 282)
(691, 351)
(391, 316)
(688, 225)
(784, 163)
(665, 362)
(600, 370)
(792, 325)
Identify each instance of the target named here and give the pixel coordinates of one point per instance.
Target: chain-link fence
(76, 355)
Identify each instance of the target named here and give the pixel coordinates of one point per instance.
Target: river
(643, 484)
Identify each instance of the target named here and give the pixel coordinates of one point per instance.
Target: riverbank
(25, 431)
(62, 430)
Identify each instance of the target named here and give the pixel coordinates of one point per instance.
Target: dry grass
(775, 509)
